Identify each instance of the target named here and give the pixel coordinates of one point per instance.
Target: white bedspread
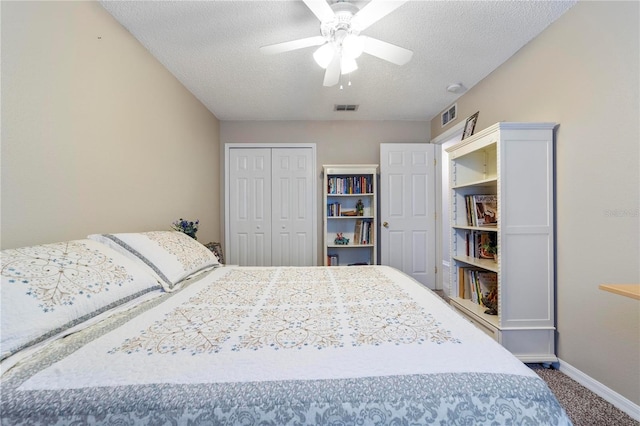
(281, 346)
(270, 324)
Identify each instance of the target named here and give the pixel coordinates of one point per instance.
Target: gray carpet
(584, 407)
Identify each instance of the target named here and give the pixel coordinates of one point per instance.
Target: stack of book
(474, 284)
(482, 210)
(477, 242)
(350, 185)
(363, 232)
(334, 209)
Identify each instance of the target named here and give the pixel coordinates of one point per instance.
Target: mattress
(283, 346)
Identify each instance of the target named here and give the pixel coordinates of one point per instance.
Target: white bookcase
(514, 161)
(345, 186)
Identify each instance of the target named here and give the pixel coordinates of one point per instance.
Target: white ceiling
(212, 48)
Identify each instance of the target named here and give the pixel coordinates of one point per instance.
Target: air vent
(345, 107)
(449, 114)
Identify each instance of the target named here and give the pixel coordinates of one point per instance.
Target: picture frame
(470, 125)
(216, 248)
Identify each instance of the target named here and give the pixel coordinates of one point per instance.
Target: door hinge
(435, 269)
(435, 161)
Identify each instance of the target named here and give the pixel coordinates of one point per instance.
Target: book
(468, 199)
(486, 240)
(357, 233)
(462, 291)
(487, 282)
(485, 209)
(467, 283)
(487, 285)
(473, 285)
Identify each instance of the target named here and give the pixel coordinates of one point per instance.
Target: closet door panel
(292, 207)
(250, 207)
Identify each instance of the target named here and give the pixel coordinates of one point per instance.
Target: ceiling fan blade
(373, 11)
(292, 45)
(332, 74)
(321, 9)
(387, 51)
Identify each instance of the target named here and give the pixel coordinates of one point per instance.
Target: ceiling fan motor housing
(340, 26)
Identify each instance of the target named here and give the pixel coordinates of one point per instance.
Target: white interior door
(292, 207)
(249, 218)
(407, 209)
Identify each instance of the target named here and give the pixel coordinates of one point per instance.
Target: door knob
(385, 224)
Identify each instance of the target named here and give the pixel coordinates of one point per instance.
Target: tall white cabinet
(345, 186)
(514, 162)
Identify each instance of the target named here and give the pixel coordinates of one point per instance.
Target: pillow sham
(46, 289)
(171, 255)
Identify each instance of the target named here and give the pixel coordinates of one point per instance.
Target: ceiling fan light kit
(324, 54)
(340, 40)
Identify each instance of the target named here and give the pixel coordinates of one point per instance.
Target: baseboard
(619, 401)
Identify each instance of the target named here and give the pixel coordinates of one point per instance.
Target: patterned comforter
(275, 346)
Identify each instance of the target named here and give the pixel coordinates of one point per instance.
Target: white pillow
(171, 255)
(49, 288)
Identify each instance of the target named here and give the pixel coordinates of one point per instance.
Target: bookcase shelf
(344, 187)
(478, 312)
(476, 228)
(479, 183)
(488, 264)
(511, 165)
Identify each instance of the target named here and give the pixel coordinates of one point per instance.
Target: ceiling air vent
(449, 114)
(345, 107)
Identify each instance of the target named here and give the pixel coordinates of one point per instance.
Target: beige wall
(337, 142)
(97, 136)
(582, 73)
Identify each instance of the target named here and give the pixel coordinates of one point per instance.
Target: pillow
(46, 289)
(171, 255)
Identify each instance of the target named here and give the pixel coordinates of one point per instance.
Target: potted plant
(491, 248)
(188, 227)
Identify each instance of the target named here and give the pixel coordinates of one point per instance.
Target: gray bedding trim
(146, 261)
(452, 398)
(81, 319)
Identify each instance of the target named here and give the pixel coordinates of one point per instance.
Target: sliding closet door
(292, 207)
(249, 207)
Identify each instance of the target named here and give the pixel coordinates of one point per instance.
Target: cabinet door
(250, 207)
(292, 207)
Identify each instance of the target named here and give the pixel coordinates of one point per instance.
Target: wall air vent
(448, 115)
(345, 107)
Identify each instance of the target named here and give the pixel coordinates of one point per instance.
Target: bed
(150, 329)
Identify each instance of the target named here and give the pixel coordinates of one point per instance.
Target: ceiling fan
(340, 40)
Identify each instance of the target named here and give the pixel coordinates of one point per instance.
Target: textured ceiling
(212, 48)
